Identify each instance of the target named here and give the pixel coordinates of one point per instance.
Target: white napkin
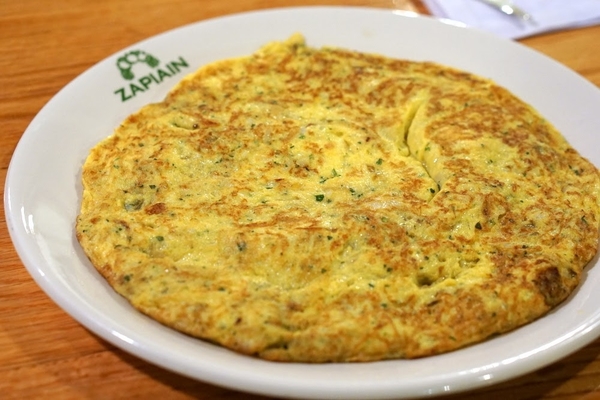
(546, 15)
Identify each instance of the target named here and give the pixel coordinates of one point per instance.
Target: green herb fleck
(160, 238)
(334, 174)
(319, 197)
(379, 161)
(134, 205)
(354, 193)
(478, 226)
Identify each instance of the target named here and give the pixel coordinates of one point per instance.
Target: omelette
(324, 205)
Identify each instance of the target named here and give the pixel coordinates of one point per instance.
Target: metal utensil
(508, 8)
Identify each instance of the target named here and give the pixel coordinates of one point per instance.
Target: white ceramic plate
(43, 193)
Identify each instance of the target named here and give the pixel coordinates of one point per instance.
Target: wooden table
(44, 353)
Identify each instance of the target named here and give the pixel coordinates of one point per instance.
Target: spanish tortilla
(322, 205)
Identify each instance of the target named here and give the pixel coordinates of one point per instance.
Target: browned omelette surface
(322, 205)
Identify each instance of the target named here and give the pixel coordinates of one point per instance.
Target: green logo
(158, 73)
(126, 62)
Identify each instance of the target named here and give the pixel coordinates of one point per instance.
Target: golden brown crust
(327, 205)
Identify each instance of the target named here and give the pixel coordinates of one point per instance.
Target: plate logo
(131, 63)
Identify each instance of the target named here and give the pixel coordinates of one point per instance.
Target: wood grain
(44, 353)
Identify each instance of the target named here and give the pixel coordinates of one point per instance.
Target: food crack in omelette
(325, 205)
